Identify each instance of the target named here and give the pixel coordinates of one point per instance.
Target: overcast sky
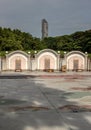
(63, 16)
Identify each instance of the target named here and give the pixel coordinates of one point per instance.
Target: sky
(64, 17)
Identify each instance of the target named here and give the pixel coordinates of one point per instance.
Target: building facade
(45, 60)
(44, 28)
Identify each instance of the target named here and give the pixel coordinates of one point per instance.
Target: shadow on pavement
(29, 105)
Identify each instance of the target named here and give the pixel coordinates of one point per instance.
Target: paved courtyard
(47, 101)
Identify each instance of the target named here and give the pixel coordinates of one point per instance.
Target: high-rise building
(44, 28)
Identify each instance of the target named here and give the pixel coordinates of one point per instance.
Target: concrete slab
(33, 104)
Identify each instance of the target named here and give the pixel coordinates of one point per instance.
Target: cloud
(62, 15)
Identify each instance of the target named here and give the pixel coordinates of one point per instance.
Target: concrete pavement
(33, 103)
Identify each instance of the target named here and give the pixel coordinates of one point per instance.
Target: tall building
(44, 28)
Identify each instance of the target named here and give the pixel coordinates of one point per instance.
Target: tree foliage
(11, 40)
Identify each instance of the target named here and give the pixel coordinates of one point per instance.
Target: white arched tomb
(76, 60)
(47, 59)
(18, 57)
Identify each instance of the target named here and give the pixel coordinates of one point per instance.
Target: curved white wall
(49, 55)
(14, 57)
(73, 57)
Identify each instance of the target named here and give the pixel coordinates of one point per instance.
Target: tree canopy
(11, 40)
